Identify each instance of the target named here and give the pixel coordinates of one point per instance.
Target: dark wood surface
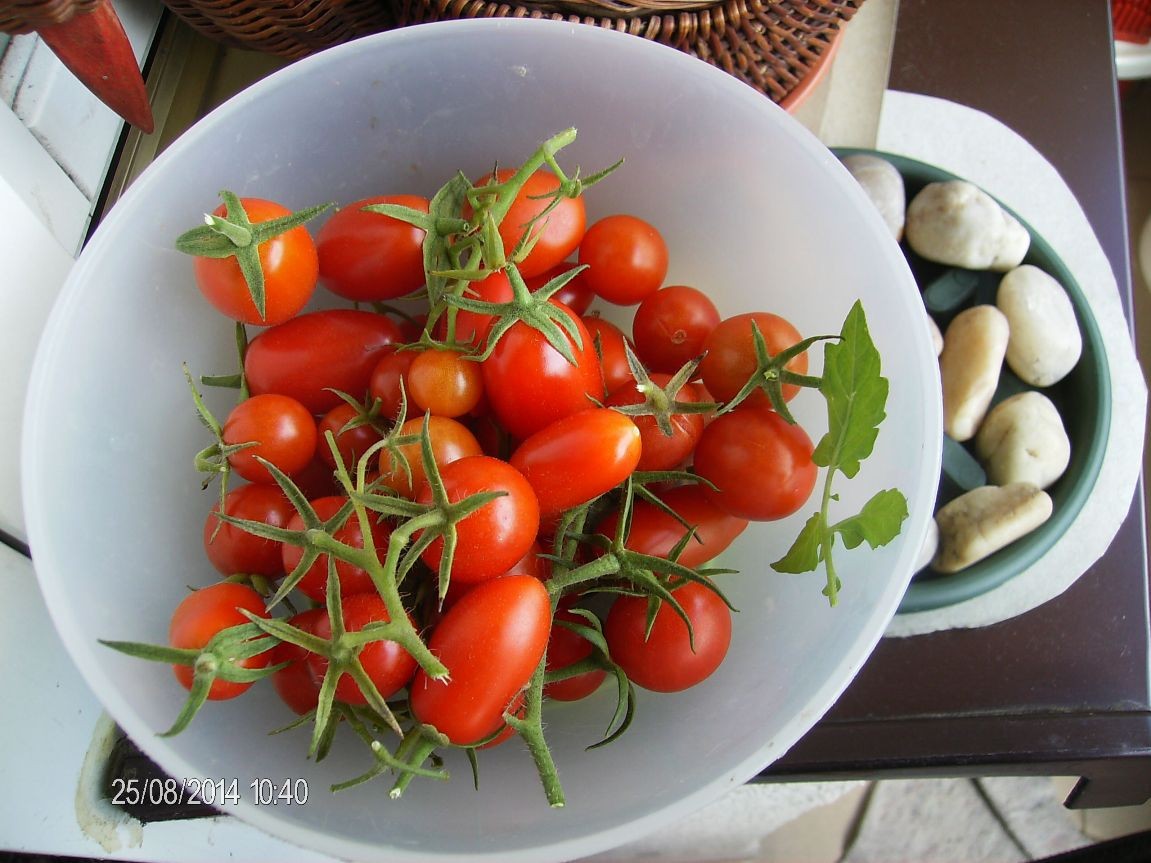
(1063, 689)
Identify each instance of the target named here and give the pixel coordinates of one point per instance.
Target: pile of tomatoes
(463, 494)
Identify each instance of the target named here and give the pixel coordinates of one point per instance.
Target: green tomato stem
(530, 728)
(609, 564)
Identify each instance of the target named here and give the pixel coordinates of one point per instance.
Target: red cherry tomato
(353, 579)
(472, 327)
(559, 232)
(575, 294)
(671, 327)
(761, 466)
(351, 444)
(450, 441)
(491, 540)
(388, 376)
(388, 665)
(655, 532)
(315, 352)
(444, 383)
(491, 642)
(529, 384)
(664, 660)
(609, 340)
(566, 648)
(516, 708)
(289, 262)
(661, 451)
(203, 614)
(366, 256)
(627, 259)
(232, 550)
(730, 359)
(578, 458)
(284, 432)
(294, 682)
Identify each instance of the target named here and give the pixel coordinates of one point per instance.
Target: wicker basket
(773, 46)
(24, 16)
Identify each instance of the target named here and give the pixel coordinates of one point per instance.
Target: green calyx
(234, 235)
(771, 374)
(662, 403)
(222, 658)
(462, 244)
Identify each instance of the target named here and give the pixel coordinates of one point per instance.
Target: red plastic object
(95, 48)
(1131, 20)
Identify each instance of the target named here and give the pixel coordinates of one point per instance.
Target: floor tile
(818, 836)
(937, 820)
(732, 829)
(1099, 825)
(1032, 809)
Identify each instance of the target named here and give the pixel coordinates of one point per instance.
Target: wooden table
(1062, 690)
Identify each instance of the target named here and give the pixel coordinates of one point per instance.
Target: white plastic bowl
(756, 212)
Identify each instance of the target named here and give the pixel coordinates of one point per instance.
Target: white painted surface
(56, 143)
(35, 265)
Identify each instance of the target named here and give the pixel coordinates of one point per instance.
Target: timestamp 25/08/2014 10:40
(133, 791)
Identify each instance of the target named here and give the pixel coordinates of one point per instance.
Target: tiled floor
(1001, 820)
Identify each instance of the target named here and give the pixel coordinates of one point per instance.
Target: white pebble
(984, 520)
(958, 224)
(1023, 440)
(1045, 339)
(969, 366)
(884, 186)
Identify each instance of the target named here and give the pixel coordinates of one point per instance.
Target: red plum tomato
(490, 641)
(760, 465)
(289, 262)
(369, 257)
(669, 658)
(203, 614)
(493, 538)
(627, 259)
(316, 352)
(578, 458)
(653, 531)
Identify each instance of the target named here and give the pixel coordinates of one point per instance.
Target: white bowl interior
(755, 211)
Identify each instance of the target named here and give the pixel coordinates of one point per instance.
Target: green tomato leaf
(807, 550)
(856, 395)
(878, 523)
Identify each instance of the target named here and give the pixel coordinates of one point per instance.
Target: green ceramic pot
(1083, 399)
